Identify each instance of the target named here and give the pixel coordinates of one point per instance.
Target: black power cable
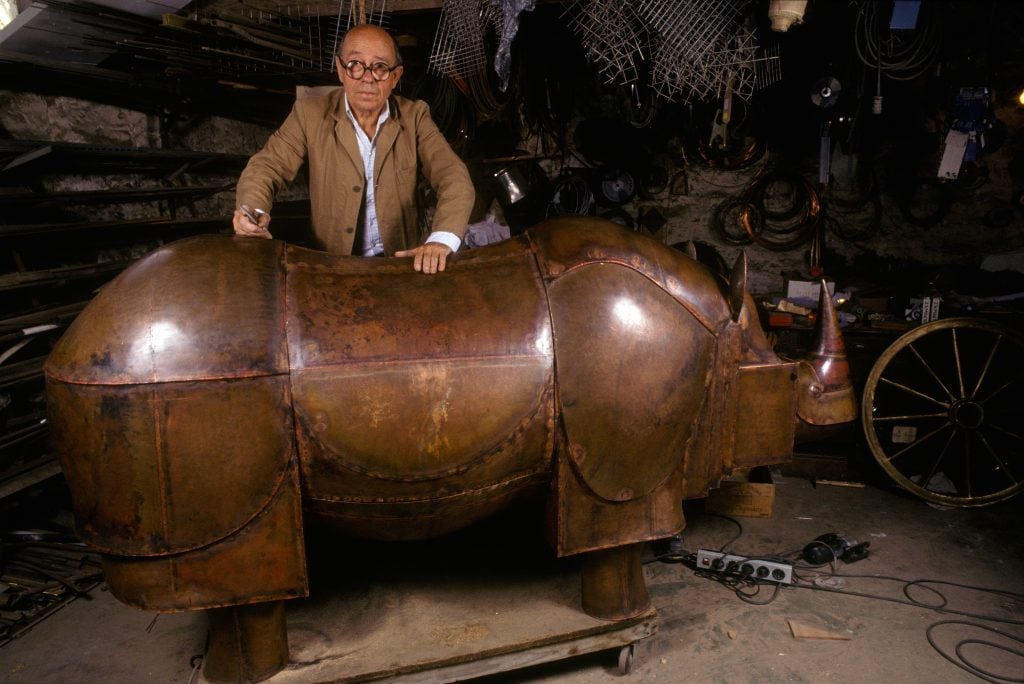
(747, 587)
(967, 665)
(941, 607)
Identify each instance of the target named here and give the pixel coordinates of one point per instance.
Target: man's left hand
(428, 258)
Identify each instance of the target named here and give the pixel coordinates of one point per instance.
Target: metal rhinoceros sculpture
(221, 390)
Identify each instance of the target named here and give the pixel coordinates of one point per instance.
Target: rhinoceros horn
(738, 285)
(826, 396)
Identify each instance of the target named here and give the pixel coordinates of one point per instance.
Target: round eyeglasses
(379, 70)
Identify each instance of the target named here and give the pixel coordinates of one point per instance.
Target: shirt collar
(384, 115)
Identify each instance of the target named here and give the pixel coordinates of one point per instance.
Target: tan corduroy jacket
(408, 142)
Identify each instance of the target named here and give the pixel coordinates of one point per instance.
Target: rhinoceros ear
(829, 342)
(691, 249)
(738, 285)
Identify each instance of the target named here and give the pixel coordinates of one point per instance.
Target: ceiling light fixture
(785, 13)
(8, 10)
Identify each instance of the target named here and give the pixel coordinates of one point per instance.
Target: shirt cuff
(445, 238)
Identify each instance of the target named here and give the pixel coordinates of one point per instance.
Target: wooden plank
(92, 157)
(194, 224)
(23, 371)
(110, 196)
(518, 659)
(62, 314)
(444, 618)
(23, 481)
(29, 432)
(802, 631)
(13, 281)
(31, 155)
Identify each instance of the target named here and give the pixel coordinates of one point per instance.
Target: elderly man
(365, 148)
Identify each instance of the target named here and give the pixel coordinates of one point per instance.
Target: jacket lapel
(345, 134)
(386, 137)
(348, 147)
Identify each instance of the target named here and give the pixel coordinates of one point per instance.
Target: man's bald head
(367, 30)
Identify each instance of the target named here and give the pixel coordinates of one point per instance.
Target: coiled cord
(900, 60)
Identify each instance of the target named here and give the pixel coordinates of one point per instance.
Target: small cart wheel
(626, 656)
(942, 411)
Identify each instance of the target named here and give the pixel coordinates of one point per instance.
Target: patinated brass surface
(422, 403)
(222, 389)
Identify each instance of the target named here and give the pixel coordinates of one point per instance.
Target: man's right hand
(244, 225)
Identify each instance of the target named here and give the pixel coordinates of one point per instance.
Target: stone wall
(964, 236)
(30, 116)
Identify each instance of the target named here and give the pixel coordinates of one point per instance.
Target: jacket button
(356, 188)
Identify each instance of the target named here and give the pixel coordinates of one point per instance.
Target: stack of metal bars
(350, 13)
(292, 34)
(767, 68)
(37, 578)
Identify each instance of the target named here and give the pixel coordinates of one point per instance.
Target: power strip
(743, 566)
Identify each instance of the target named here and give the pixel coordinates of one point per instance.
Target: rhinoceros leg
(613, 584)
(248, 643)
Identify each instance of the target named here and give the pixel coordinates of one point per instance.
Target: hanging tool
(720, 124)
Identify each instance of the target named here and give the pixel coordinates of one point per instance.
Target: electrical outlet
(743, 566)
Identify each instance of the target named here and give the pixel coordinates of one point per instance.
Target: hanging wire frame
(458, 48)
(611, 37)
(459, 52)
(692, 48)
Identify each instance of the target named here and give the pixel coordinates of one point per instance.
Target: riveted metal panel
(766, 399)
(632, 372)
(418, 394)
(160, 469)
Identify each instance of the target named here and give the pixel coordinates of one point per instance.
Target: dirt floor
(498, 581)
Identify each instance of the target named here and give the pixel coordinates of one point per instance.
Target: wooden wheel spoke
(967, 464)
(997, 390)
(916, 442)
(1003, 412)
(910, 390)
(958, 406)
(917, 416)
(942, 455)
(1009, 433)
(959, 367)
(995, 457)
(931, 372)
(986, 366)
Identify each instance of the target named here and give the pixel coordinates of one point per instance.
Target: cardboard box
(749, 494)
(807, 289)
(874, 304)
(930, 308)
(924, 310)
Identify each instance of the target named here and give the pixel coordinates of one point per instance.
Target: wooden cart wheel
(942, 411)
(626, 656)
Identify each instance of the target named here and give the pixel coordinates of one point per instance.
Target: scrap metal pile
(38, 576)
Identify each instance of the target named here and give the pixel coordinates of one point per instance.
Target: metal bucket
(513, 184)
